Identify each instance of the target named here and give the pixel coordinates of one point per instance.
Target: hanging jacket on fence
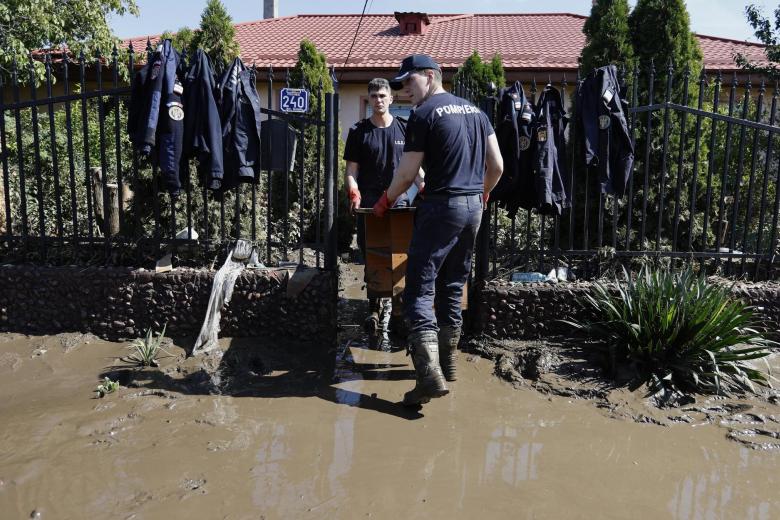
(602, 108)
(240, 115)
(156, 116)
(550, 172)
(514, 131)
(202, 125)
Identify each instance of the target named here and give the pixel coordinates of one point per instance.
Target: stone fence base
(119, 303)
(531, 311)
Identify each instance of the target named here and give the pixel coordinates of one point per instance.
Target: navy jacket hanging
(514, 131)
(156, 115)
(608, 147)
(240, 116)
(202, 125)
(550, 172)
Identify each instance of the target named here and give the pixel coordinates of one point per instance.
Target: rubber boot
(371, 323)
(449, 337)
(424, 349)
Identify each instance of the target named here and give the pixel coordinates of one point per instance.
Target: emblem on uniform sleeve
(604, 122)
(541, 135)
(524, 142)
(175, 111)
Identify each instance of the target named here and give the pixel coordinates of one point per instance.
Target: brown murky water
(294, 445)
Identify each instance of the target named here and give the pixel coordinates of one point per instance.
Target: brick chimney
(270, 8)
(412, 23)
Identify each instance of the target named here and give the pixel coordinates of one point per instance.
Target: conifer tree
(216, 36)
(607, 36)
(661, 32)
(477, 75)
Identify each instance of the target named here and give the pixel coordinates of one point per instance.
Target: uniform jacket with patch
(550, 173)
(602, 113)
(156, 115)
(514, 132)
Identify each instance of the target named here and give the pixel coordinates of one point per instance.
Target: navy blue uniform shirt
(453, 135)
(377, 151)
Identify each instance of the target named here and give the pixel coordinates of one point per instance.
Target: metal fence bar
(752, 177)
(765, 183)
(695, 168)
(54, 158)
(680, 156)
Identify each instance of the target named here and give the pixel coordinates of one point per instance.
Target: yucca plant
(675, 330)
(146, 350)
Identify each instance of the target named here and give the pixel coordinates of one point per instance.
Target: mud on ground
(557, 367)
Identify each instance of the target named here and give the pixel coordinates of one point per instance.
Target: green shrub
(675, 329)
(145, 350)
(107, 387)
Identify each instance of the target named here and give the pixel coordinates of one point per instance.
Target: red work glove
(382, 205)
(354, 199)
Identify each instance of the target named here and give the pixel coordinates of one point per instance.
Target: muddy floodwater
(294, 444)
(267, 429)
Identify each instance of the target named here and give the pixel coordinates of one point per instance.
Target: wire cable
(354, 39)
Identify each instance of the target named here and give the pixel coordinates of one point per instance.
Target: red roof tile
(524, 41)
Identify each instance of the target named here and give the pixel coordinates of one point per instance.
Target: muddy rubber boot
(424, 349)
(371, 323)
(449, 337)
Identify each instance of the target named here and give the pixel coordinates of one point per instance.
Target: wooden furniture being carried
(387, 244)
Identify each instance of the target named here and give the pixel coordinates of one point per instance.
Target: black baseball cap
(411, 64)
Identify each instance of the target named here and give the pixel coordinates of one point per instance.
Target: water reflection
(710, 496)
(510, 458)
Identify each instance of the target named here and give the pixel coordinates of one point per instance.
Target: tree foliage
(216, 36)
(767, 33)
(607, 36)
(79, 25)
(477, 75)
(661, 33)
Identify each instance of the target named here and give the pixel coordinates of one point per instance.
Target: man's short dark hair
(378, 84)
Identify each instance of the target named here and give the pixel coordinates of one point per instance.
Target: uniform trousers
(439, 260)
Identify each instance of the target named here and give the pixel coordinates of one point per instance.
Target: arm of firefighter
(405, 175)
(494, 164)
(350, 177)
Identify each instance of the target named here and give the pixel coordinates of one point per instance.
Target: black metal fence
(74, 191)
(704, 186)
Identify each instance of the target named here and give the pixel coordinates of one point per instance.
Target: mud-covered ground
(265, 428)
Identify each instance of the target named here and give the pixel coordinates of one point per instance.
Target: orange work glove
(382, 205)
(354, 199)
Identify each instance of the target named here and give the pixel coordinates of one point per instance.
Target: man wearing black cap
(454, 142)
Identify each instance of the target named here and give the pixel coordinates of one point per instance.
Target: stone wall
(530, 311)
(117, 303)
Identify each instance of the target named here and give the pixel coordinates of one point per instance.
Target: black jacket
(514, 132)
(550, 173)
(602, 113)
(202, 125)
(240, 116)
(156, 116)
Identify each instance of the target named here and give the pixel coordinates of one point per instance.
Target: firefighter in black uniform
(455, 143)
(373, 151)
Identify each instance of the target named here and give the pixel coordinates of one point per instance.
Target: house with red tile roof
(541, 46)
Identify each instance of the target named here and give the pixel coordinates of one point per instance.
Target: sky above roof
(724, 18)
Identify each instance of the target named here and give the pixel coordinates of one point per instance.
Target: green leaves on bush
(675, 330)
